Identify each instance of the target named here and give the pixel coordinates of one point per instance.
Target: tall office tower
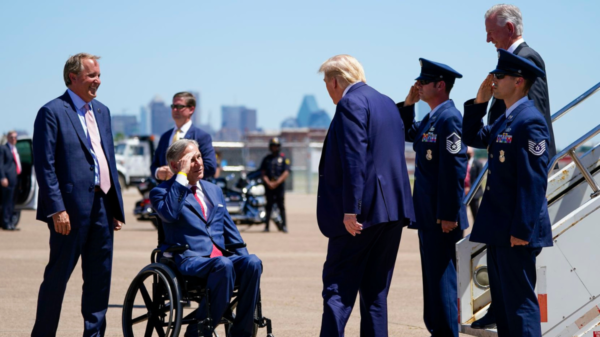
(308, 106)
(144, 128)
(161, 116)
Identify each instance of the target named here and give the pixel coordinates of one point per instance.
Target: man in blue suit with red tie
(440, 170)
(363, 200)
(194, 213)
(79, 196)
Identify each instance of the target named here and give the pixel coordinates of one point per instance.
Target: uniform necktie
(215, 251)
(176, 136)
(97, 147)
(17, 162)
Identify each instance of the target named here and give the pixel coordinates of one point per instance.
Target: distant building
(309, 116)
(126, 125)
(161, 116)
(145, 126)
(236, 121)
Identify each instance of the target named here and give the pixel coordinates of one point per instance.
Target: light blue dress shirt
(80, 108)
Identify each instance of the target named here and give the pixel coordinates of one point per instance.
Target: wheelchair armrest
(177, 249)
(235, 245)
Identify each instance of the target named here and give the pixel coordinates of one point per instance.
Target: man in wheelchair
(194, 213)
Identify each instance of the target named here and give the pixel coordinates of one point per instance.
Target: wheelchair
(162, 292)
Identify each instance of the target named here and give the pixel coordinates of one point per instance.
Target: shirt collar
(198, 185)
(348, 88)
(514, 46)
(514, 106)
(78, 101)
(432, 112)
(185, 127)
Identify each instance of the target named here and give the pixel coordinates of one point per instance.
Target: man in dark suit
(10, 168)
(474, 168)
(514, 221)
(363, 199)
(504, 27)
(79, 196)
(440, 169)
(182, 109)
(194, 213)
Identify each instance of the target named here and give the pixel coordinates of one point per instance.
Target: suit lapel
(191, 133)
(71, 112)
(194, 205)
(521, 46)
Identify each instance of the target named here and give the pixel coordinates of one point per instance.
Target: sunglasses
(178, 106)
(501, 76)
(426, 82)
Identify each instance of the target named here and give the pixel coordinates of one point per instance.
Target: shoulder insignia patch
(453, 143)
(537, 148)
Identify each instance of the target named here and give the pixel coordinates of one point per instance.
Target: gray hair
(507, 13)
(345, 68)
(176, 150)
(74, 65)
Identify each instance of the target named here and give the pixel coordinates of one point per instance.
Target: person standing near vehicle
(10, 168)
(275, 169)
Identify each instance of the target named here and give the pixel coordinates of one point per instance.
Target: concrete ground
(291, 282)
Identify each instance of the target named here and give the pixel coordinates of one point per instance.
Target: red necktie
(14, 153)
(215, 251)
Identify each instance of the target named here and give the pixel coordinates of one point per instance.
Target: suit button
(487, 188)
(489, 171)
(91, 168)
(91, 188)
(491, 155)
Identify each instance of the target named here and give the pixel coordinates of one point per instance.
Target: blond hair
(75, 65)
(345, 68)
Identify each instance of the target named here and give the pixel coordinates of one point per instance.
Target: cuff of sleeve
(181, 179)
(156, 173)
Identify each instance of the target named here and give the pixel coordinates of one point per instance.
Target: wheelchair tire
(162, 306)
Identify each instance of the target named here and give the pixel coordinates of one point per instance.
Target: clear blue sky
(265, 54)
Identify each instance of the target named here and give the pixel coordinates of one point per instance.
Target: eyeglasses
(178, 106)
(501, 76)
(426, 82)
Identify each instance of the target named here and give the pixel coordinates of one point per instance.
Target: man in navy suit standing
(513, 220)
(363, 199)
(440, 170)
(194, 213)
(10, 168)
(79, 196)
(182, 109)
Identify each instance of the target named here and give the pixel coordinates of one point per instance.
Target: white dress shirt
(208, 206)
(81, 111)
(514, 46)
(514, 106)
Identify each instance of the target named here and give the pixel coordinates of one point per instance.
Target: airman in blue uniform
(440, 170)
(513, 219)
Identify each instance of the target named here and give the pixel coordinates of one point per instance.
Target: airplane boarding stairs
(568, 276)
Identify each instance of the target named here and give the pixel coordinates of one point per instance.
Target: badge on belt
(429, 137)
(504, 138)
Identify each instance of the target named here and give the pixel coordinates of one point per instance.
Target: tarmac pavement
(291, 281)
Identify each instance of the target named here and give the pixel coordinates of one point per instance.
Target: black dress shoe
(485, 322)
(265, 230)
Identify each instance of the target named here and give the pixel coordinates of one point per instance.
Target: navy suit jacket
(440, 168)
(8, 167)
(184, 223)
(514, 202)
(64, 165)
(204, 144)
(363, 168)
(538, 93)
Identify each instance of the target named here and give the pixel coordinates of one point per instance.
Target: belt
(97, 189)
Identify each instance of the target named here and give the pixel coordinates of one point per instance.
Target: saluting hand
(62, 223)
(413, 96)
(448, 226)
(517, 242)
(185, 163)
(486, 90)
(352, 225)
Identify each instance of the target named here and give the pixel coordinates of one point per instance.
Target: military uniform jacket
(275, 165)
(514, 202)
(440, 166)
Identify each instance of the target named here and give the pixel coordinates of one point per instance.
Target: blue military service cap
(515, 65)
(434, 71)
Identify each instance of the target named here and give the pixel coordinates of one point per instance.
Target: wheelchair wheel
(153, 304)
